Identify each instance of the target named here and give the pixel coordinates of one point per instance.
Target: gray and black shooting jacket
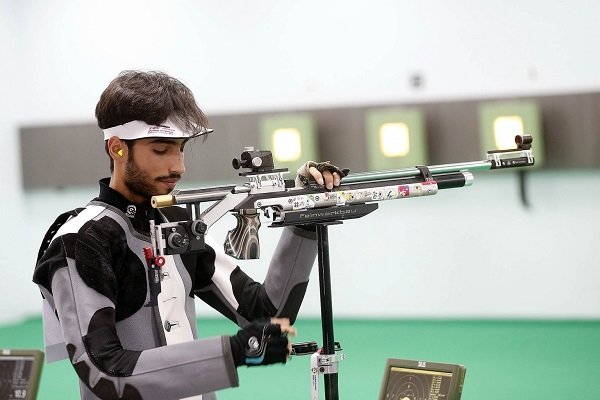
(92, 274)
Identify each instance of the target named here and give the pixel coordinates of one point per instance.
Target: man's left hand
(323, 173)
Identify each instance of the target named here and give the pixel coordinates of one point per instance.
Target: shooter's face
(154, 166)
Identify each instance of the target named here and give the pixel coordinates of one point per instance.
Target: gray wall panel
(572, 130)
(452, 132)
(341, 137)
(62, 156)
(73, 155)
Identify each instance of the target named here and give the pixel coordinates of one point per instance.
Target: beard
(140, 183)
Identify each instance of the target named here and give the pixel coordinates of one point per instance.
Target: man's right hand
(262, 342)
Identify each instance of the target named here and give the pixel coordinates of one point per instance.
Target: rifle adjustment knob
(257, 162)
(176, 240)
(198, 227)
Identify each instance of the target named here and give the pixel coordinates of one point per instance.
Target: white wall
(14, 272)
(241, 55)
(57, 56)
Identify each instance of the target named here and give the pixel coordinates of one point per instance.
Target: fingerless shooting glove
(260, 343)
(303, 176)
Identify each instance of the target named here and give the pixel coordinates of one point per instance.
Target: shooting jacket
(97, 308)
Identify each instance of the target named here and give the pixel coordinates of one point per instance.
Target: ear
(117, 149)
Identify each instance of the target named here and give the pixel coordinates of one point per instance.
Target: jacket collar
(139, 214)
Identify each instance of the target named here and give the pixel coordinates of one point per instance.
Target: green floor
(504, 359)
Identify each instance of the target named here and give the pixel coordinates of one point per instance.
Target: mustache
(172, 176)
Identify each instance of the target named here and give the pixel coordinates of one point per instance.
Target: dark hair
(149, 96)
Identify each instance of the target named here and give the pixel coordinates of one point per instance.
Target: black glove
(260, 343)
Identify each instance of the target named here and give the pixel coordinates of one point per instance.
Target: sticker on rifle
(344, 197)
(417, 190)
(340, 200)
(299, 203)
(391, 193)
(366, 195)
(336, 197)
(348, 196)
(377, 195)
(403, 191)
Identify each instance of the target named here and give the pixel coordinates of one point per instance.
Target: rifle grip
(242, 242)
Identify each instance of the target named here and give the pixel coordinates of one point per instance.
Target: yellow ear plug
(120, 152)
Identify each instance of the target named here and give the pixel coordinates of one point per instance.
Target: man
(91, 269)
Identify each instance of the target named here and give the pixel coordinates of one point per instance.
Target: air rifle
(267, 191)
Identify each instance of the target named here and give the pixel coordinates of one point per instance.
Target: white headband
(139, 130)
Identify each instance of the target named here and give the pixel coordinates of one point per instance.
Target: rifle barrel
(414, 172)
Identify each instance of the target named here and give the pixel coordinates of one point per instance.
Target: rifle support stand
(326, 362)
